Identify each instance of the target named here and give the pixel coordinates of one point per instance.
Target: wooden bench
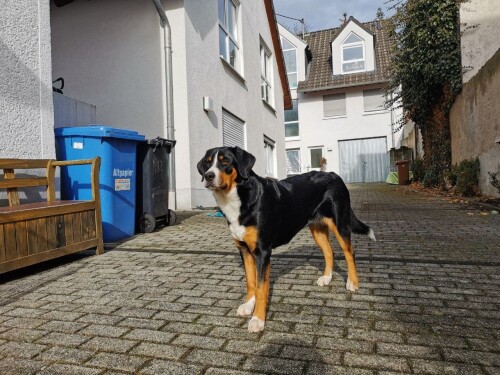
(34, 232)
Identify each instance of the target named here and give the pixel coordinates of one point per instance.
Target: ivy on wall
(427, 66)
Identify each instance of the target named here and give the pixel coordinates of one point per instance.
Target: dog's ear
(202, 168)
(245, 161)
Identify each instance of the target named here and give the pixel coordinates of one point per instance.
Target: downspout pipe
(169, 94)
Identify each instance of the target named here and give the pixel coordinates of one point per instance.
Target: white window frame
(296, 62)
(288, 172)
(229, 36)
(266, 73)
(270, 164)
(309, 149)
(351, 45)
(294, 137)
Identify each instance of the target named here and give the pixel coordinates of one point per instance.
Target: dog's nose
(209, 176)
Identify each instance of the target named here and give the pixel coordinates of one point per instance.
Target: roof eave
(342, 86)
(273, 26)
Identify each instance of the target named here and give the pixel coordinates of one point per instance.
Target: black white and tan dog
(264, 213)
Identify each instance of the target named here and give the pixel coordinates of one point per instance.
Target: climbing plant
(426, 65)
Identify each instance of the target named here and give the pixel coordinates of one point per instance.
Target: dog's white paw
(255, 325)
(324, 280)
(349, 285)
(246, 309)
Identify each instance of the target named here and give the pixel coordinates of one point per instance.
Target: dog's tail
(359, 227)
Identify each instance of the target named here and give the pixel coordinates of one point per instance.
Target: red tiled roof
(320, 74)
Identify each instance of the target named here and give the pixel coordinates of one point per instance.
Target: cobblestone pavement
(165, 303)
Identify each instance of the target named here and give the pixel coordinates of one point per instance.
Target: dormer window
(353, 54)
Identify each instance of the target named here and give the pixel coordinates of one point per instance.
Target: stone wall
(475, 122)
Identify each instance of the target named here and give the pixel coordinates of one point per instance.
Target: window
(290, 56)
(292, 120)
(334, 105)
(269, 146)
(353, 54)
(233, 130)
(228, 32)
(266, 73)
(316, 154)
(373, 100)
(293, 161)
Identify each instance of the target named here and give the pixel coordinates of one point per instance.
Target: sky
(325, 14)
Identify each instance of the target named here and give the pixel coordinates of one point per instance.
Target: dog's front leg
(263, 268)
(246, 309)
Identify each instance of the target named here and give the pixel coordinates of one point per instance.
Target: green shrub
(467, 172)
(418, 169)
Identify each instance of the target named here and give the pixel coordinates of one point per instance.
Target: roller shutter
(233, 130)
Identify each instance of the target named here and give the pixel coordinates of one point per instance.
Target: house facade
(229, 80)
(338, 114)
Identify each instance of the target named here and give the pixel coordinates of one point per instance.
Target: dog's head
(223, 167)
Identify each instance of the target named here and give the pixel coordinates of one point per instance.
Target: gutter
(169, 95)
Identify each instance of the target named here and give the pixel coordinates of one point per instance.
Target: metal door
(364, 160)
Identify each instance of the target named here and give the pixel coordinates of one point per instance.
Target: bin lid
(99, 131)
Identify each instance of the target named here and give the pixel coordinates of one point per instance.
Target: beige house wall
(475, 122)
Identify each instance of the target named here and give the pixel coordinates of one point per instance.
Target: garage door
(364, 160)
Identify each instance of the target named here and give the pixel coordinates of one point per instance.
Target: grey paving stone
(63, 339)
(20, 334)
(20, 349)
(160, 367)
(221, 371)
(315, 368)
(344, 345)
(215, 358)
(472, 357)
(142, 323)
(408, 350)
(421, 366)
(104, 330)
(161, 351)
(273, 365)
(62, 326)
(150, 335)
(100, 319)
(20, 366)
(189, 328)
(61, 369)
(377, 362)
(109, 344)
(201, 342)
(117, 362)
(65, 355)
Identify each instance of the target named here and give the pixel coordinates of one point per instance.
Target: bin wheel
(148, 223)
(172, 217)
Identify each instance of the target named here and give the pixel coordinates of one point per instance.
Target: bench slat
(43, 209)
(23, 182)
(23, 163)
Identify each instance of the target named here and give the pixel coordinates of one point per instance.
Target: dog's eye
(225, 162)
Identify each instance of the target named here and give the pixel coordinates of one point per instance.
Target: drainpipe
(167, 45)
(392, 122)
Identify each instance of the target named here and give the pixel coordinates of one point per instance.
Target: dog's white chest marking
(230, 204)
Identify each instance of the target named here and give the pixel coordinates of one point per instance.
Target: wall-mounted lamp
(208, 104)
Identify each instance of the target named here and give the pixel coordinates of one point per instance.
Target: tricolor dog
(263, 214)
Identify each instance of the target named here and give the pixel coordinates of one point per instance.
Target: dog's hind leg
(320, 235)
(343, 236)
(246, 309)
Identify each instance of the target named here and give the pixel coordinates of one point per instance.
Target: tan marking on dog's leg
(352, 283)
(250, 237)
(258, 320)
(320, 235)
(247, 308)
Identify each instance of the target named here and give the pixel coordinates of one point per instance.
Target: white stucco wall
(208, 75)
(480, 23)
(26, 111)
(109, 54)
(317, 131)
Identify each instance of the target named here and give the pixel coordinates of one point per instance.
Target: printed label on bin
(122, 172)
(78, 145)
(122, 184)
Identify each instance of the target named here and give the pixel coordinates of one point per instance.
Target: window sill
(290, 139)
(369, 113)
(233, 70)
(334, 117)
(269, 106)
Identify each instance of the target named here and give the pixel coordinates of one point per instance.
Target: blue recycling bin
(117, 177)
